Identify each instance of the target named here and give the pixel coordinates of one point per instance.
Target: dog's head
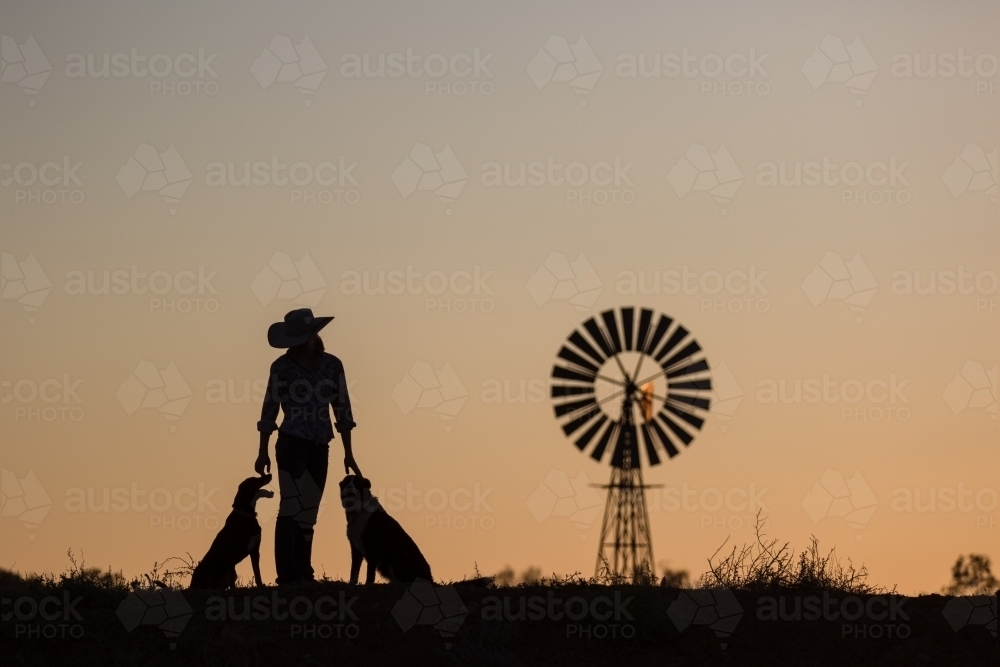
(355, 493)
(250, 490)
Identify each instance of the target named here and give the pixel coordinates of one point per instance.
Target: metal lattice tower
(626, 546)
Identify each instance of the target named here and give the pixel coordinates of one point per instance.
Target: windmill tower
(605, 399)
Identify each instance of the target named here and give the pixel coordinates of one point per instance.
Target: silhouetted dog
(239, 538)
(378, 538)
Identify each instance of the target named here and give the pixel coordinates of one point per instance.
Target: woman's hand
(351, 465)
(349, 462)
(263, 462)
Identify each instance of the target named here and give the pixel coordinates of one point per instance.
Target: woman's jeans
(302, 468)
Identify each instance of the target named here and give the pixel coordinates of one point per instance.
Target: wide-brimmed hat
(298, 327)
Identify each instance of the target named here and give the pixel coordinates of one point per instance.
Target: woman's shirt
(305, 398)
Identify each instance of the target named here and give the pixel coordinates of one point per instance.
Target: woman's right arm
(267, 425)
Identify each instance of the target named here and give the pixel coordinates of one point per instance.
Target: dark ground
(368, 632)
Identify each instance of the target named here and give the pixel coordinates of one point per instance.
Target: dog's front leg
(355, 565)
(370, 578)
(255, 562)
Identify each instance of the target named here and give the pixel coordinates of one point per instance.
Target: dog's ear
(365, 483)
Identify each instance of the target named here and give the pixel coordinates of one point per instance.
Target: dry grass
(764, 564)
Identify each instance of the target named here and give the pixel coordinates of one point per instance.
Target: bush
(763, 564)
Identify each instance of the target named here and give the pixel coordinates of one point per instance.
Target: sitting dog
(378, 538)
(239, 538)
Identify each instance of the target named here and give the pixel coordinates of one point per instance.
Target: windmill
(617, 378)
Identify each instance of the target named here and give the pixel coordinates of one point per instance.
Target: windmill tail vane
(605, 400)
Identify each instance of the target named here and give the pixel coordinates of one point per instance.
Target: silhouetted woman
(305, 382)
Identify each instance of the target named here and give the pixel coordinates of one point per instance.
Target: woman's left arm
(344, 420)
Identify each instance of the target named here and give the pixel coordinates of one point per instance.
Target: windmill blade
(665, 440)
(681, 434)
(612, 326)
(570, 427)
(647, 436)
(645, 319)
(564, 390)
(628, 320)
(602, 444)
(584, 440)
(574, 358)
(676, 337)
(579, 401)
(696, 367)
(696, 401)
(661, 329)
(570, 374)
(577, 339)
(599, 336)
(574, 406)
(682, 399)
(686, 352)
(705, 384)
(690, 418)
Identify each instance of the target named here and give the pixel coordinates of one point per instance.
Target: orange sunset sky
(809, 188)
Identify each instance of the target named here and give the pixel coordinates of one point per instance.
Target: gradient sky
(937, 435)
